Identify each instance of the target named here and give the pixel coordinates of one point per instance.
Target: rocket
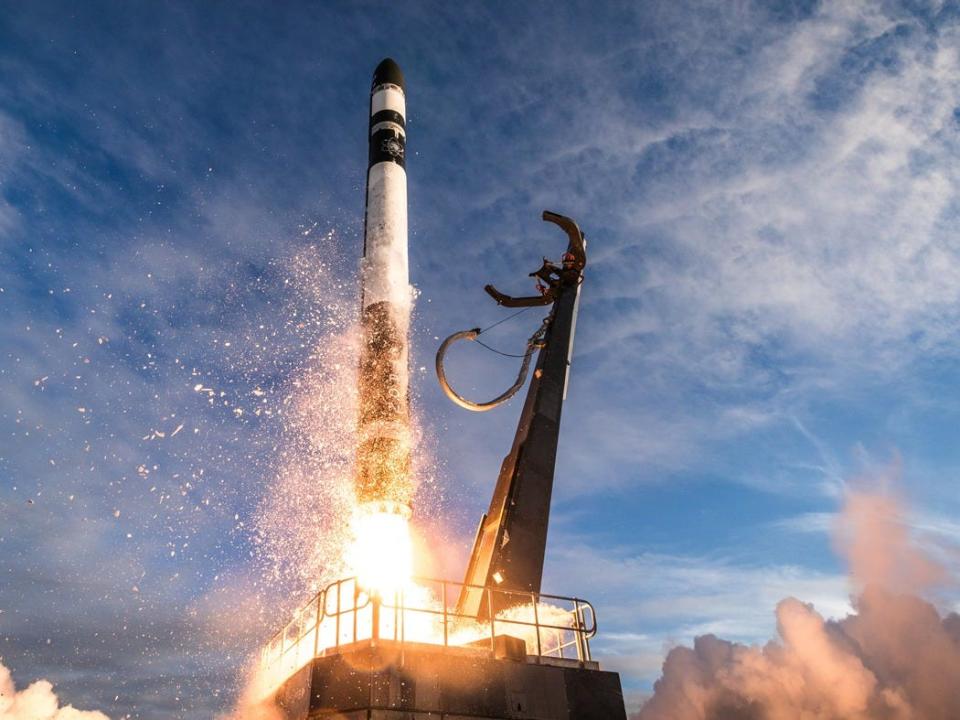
(383, 481)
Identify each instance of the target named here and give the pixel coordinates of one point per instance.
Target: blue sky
(770, 194)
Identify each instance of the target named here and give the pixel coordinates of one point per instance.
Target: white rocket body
(385, 266)
(383, 457)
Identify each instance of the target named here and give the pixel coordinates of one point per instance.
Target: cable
(498, 352)
(535, 342)
(508, 317)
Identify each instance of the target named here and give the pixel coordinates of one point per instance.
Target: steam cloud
(896, 658)
(37, 702)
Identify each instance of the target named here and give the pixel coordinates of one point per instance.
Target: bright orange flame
(381, 552)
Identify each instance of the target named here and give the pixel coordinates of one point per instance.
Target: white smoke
(36, 702)
(251, 707)
(896, 658)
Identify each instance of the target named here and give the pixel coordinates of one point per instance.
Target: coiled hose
(533, 343)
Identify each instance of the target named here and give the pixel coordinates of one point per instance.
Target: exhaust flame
(381, 553)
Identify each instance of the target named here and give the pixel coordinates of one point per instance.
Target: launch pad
(351, 656)
(427, 684)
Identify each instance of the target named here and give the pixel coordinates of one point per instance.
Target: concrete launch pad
(349, 655)
(393, 681)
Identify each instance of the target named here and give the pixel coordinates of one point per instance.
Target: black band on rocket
(386, 145)
(387, 116)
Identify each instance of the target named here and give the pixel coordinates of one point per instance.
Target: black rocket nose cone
(388, 72)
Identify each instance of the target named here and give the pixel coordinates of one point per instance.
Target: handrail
(577, 621)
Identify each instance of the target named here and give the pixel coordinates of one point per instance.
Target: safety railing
(343, 613)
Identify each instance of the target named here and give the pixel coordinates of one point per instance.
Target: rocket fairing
(383, 424)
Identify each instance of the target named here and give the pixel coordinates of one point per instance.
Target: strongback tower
(512, 538)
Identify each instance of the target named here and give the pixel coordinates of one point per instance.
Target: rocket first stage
(383, 453)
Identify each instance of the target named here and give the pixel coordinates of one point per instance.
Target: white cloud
(36, 702)
(841, 252)
(792, 242)
(647, 602)
(12, 145)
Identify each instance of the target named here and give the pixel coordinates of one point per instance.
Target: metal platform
(352, 656)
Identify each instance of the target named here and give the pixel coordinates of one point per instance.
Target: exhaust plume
(37, 702)
(895, 658)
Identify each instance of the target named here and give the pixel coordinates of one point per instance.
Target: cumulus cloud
(894, 658)
(874, 538)
(37, 702)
